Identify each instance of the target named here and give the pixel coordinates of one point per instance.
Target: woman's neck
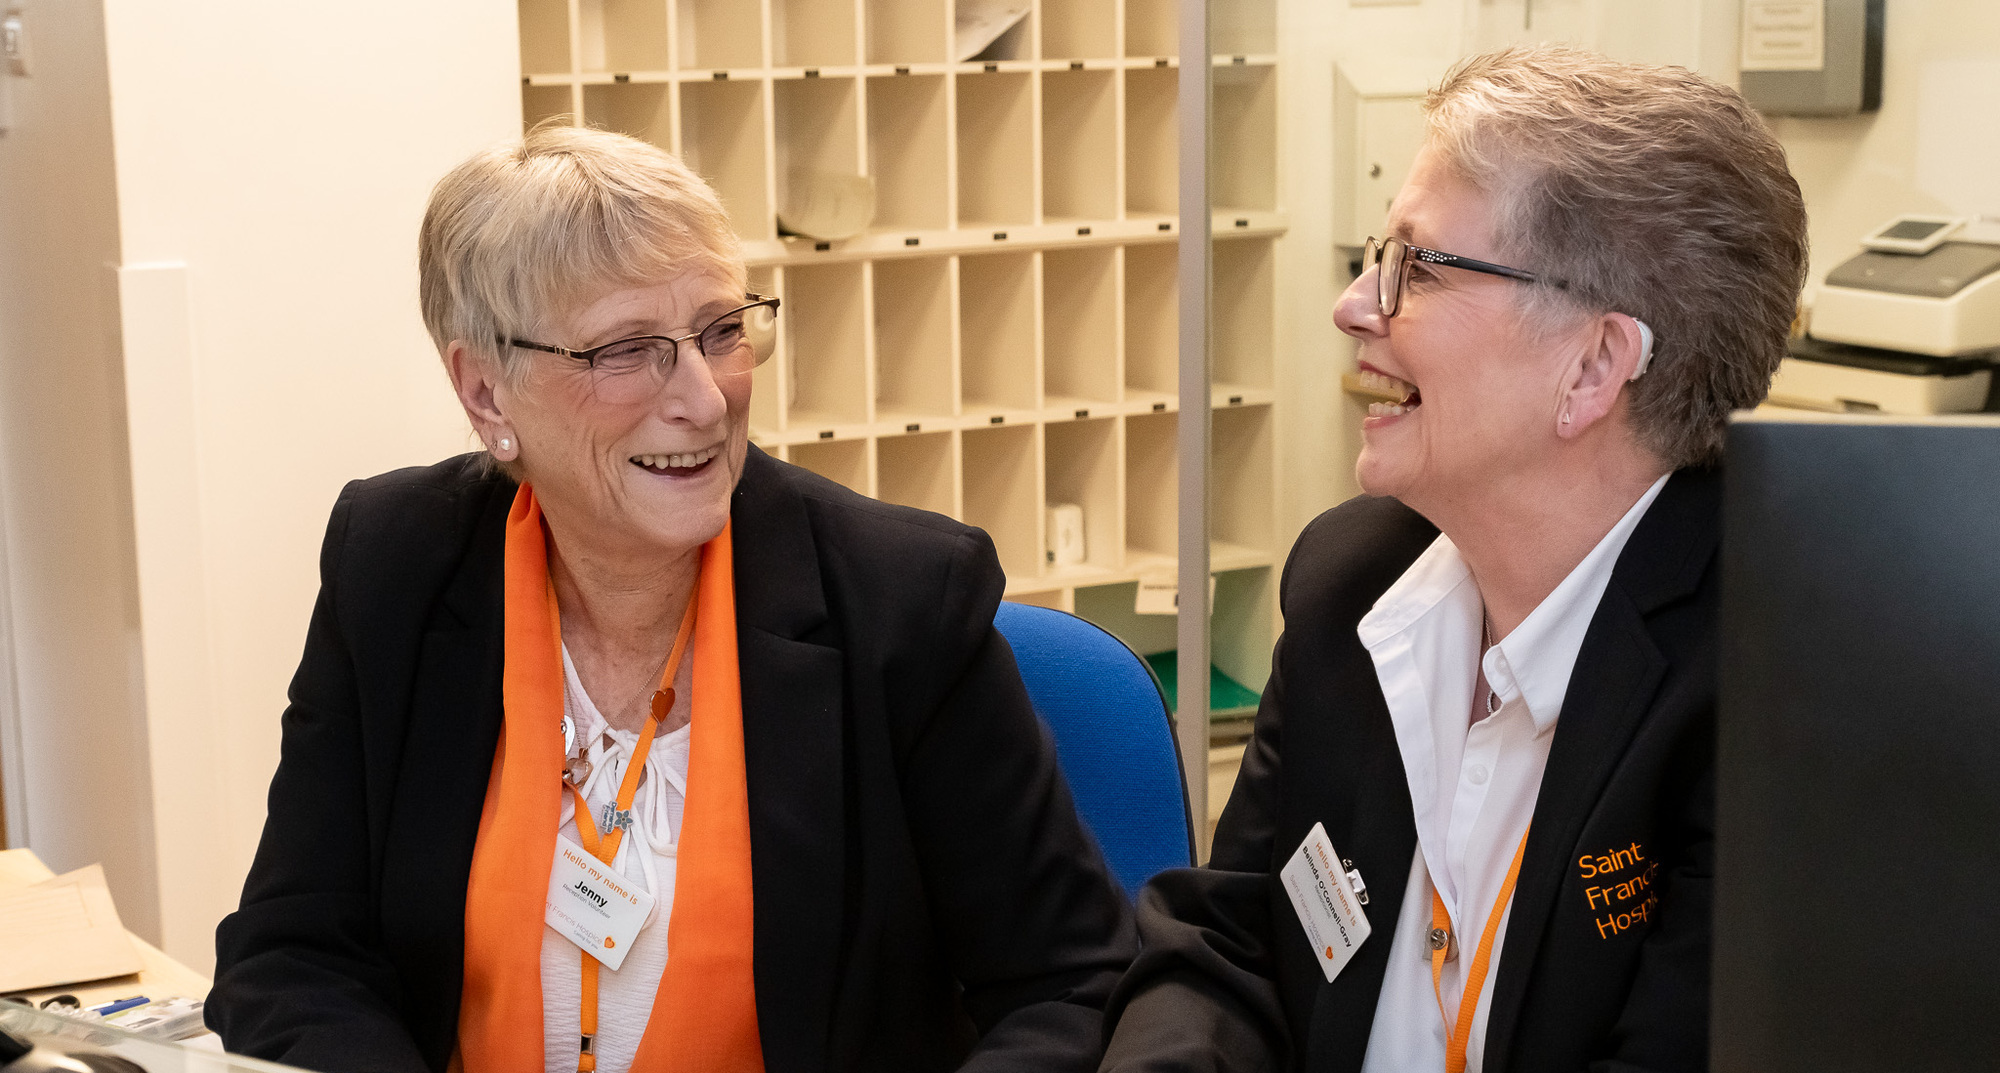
(619, 617)
(1520, 538)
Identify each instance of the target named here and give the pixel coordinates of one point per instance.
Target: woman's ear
(1618, 350)
(476, 379)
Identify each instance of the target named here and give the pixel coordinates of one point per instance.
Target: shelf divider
(642, 109)
(841, 461)
(1079, 30)
(999, 320)
(1083, 470)
(1080, 353)
(1245, 297)
(908, 31)
(814, 33)
(545, 37)
(996, 150)
(825, 348)
(1003, 495)
(1152, 186)
(723, 139)
(909, 151)
(919, 471)
(719, 34)
(914, 322)
(1080, 145)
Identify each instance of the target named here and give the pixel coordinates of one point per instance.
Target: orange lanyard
(606, 848)
(1457, 1036)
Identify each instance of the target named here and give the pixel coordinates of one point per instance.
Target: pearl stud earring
(507, 444)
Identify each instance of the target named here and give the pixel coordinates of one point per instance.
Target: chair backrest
(1114, 738)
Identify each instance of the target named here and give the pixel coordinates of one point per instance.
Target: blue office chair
(1114, 738)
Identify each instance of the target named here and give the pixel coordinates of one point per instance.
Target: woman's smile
(678, 466)
(1384, 413)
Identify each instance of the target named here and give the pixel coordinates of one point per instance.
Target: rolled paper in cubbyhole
(1066, 534)
(826, 205)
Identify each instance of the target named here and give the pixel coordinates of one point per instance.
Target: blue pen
(121, 1005)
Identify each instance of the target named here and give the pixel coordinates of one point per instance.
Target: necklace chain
(581, 748)
(654, 677)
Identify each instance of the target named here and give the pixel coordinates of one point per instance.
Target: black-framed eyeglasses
(1394, 259)
(734, 342)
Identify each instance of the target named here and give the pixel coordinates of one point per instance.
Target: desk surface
(159, 977)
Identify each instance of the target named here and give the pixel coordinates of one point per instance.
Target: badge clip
(1355, 881)
(1442, 939)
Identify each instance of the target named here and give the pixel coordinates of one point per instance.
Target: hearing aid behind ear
(1645, 349)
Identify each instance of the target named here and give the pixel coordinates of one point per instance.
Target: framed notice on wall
(1784, 35)
(1812, 57)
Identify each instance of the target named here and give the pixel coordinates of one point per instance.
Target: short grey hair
(536, 228)
(1651, 191)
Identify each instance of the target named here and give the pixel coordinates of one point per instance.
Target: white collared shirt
(1473, 785)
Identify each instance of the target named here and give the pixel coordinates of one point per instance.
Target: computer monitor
(1857, 913)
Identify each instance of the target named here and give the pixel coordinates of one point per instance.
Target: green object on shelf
(1226, 695)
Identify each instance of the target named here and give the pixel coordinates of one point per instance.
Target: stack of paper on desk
(62, 931)
(159, 976)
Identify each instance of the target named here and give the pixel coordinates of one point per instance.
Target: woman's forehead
(1440, 209)
(672, 303)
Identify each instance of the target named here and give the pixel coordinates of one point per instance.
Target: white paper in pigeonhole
(826, 205)
(981, 22)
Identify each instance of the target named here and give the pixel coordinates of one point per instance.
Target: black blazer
(924, 892)
(1227, 979)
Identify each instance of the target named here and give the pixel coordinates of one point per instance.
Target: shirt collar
(1430, 581)
(1535, 660)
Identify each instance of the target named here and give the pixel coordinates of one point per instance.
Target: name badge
(593, 906)
(1328, 906)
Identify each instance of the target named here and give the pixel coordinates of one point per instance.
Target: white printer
(1910, 325)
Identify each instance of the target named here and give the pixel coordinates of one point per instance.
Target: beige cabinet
(1003, 337)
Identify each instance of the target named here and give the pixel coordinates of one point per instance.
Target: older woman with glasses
(1475, 826)
(622, 745)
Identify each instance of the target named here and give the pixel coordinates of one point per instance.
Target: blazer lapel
(447, 751)
(1618, 670)
(793, 744)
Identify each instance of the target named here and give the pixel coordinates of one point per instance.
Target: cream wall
(1319, 427)
(248, 262)
(72, 729)
(273, 161)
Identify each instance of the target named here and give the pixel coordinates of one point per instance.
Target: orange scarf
(705, 1013)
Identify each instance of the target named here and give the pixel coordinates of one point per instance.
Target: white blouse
(646, 858)
(1474, 773)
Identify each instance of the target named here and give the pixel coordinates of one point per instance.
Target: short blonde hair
(536, 228)
(1651, 191)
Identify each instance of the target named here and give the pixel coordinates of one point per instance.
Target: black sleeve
(1201, 995)
(1034, 927)
(300, 975)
